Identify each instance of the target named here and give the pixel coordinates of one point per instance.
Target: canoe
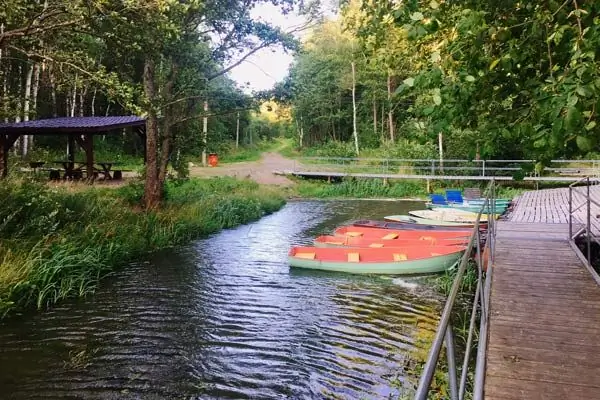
(393, 260)
(409, 219)
(470, 208)
(410, 224)
(448, 215)
(498, 202)
(389, 234)
(349, 241)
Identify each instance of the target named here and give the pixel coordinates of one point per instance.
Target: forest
(493, 79)
(498, 79)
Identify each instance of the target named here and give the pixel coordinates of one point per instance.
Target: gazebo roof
(71, 125)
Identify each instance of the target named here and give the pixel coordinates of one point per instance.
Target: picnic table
(74, 169)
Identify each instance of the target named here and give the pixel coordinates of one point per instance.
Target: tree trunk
(152, 191)
(382, 123)
(73, 98)
(53, 91)
(374, 116)
(237, 131)
(390, 110)
(204, 132)
(354, 129)
(26, 103)
(93, 105)
(5, 97)
(167, 132)
(301, 131)
(82, 94)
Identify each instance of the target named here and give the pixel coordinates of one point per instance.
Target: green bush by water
(56, 244)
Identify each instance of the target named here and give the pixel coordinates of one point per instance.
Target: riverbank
(58, 242)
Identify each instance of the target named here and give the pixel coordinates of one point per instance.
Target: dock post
(428, 185)
(385, 181)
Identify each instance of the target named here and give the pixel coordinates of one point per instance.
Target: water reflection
(224, 318)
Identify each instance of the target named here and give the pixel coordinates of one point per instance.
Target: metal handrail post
(483, 168)
(451, 363)
(588, 225)
(570, 212)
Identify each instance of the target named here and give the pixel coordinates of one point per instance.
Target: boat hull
(337, 241)
(409, 219)
(428, 265)
(409, 225)
(499, 210)
(388, 234)
(448, 215)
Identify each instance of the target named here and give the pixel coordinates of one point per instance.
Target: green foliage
(56, 244)
(361, 188)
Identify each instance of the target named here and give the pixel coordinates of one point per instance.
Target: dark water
(226, 318)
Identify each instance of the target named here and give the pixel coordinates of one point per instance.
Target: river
(226, 318)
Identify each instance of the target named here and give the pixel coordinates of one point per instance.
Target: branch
(192, 117)
(27, 31)
(239, 61)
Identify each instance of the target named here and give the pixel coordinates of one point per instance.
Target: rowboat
(349, 241)
(498, 202)
(498, 210)
(409, 219)
(393, 260)
(409, 224)
(448, 215)
(389, 234)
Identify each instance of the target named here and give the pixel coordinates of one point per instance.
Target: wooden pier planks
(544, 333)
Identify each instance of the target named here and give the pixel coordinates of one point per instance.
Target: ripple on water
(224, 318)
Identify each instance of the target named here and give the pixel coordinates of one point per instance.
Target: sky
(268, 66)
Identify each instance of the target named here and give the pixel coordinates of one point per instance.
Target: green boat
(426, 221)
(391, 260)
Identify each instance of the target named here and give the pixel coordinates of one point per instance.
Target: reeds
(55, 244)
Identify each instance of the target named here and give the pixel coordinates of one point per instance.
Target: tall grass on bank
(361, 188)
(56, 244)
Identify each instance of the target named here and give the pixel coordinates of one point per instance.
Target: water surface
(226, 318)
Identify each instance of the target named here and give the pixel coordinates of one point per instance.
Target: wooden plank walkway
(544, 332)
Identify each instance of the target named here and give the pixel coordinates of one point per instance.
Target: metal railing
(580, 197)
(449, 167)
(480, 307)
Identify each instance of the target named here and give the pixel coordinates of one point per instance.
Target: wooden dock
(544, 332)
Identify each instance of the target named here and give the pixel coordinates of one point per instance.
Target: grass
(56, 244)
(360, 188)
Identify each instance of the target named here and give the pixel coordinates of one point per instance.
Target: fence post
(432, 167)
(483, 168)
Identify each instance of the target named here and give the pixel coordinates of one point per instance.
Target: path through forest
(261, 171)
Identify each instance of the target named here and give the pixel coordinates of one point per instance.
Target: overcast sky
(268, 66)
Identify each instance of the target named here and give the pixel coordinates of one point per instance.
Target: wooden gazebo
(78, 129)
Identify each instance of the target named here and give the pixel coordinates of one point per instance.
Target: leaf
(494, 63)
(582, 91)
(470, 78)
(428, 111)
(416, 16)
(437, 99)
(590, 125)
(572, 118)
(435, 56)
(584, 143)
(572, 100)
(434, 4)
(410, 82)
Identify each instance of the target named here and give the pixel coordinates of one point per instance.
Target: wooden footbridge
(544, 329)
(540, 320)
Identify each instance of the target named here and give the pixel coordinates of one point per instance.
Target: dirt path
(261, 171)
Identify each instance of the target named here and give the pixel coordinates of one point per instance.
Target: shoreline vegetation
(59, 242)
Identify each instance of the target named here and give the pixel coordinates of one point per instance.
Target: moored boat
(390, 234)
(393, 260)
(408, 224)
(448, 215)
(350, 241)
(469, 208)
(431, 222)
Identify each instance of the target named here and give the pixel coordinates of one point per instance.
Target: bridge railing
(480, 308)
(584, 210)
(449, 167)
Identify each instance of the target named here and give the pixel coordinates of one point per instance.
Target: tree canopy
(500, 79)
